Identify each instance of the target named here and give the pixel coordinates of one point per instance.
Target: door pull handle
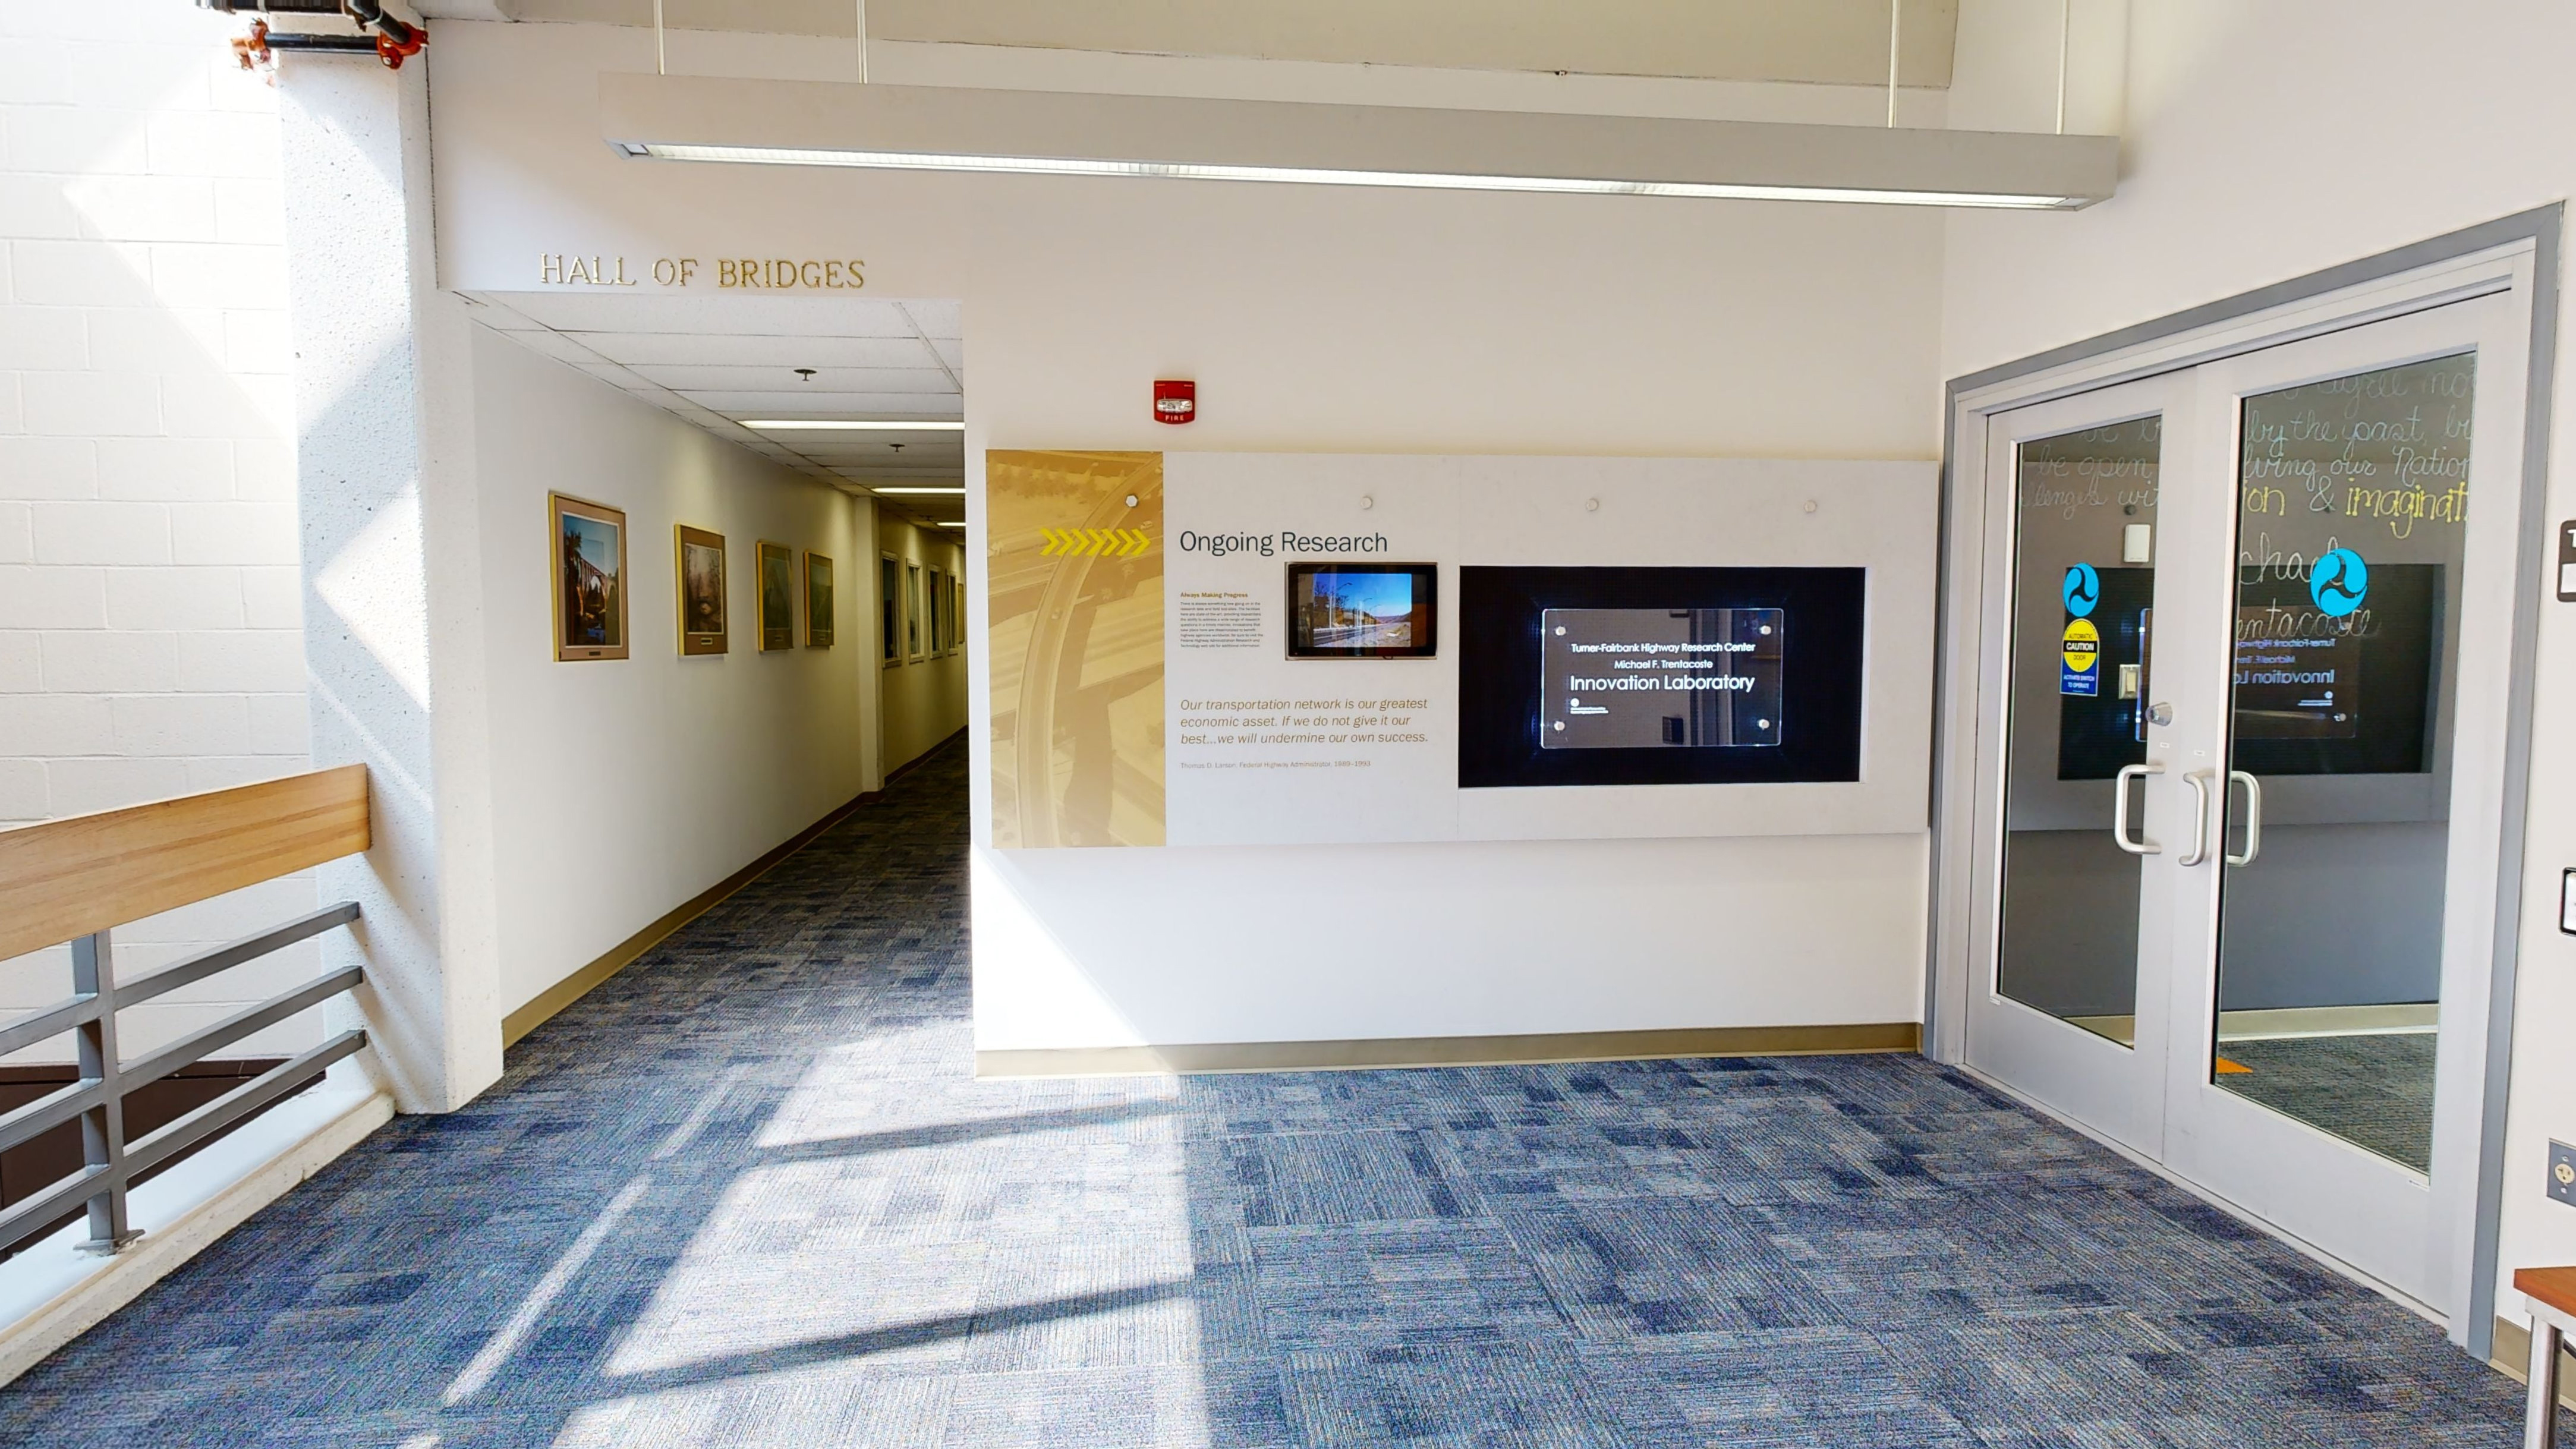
(2120, 809)
(2253, 816)
(2199, 818)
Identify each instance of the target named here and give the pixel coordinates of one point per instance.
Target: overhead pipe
(389, 37)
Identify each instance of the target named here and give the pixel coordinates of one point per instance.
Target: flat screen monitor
(1363, 610)
(1646, 679)
(1574, 676)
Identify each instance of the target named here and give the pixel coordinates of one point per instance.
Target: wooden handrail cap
(2550, 1287)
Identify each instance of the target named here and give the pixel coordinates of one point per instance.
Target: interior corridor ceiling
(722, 361)
(1821, 42)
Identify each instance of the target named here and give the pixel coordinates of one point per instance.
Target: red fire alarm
(1176, 399)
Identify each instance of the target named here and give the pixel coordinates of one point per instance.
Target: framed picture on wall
(777, 596)
(933, 583)
(818, 600)
(588, 544)
(957, 586)
(702, 591)
(890, 610)
(912, 621)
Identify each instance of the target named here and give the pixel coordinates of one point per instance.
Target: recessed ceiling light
(857, 425)
(922, 490)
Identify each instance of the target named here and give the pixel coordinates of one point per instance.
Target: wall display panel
(1364, 714)
(1074, 620)
(1274, 741)
(1659, 676)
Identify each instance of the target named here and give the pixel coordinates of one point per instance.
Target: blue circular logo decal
(2081, 590)
(2337, 581)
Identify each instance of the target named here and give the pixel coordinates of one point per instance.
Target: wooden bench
(2552, 1295)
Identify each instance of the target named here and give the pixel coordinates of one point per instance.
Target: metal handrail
(97, 1099)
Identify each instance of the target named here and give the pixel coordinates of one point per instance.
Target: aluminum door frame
(2516, 254)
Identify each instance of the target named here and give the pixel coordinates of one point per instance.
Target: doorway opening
(2231, 808)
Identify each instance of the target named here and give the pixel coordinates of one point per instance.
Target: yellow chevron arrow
(1054, 542)
(1137, 542)
(1099, 541)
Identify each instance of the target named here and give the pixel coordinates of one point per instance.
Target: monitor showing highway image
(1365, 610)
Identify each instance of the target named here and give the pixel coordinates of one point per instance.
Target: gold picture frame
(777, 585)
(699, 558)
(819, 578)
(586, 543)
(915, 629)
(889, 611)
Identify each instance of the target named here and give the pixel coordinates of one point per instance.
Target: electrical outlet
(2562, 1172)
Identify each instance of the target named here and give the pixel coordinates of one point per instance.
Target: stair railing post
(102, 1126)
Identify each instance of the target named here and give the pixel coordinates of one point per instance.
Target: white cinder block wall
(150, 638)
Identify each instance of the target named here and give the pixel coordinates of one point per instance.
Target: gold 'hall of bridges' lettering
(832, 274)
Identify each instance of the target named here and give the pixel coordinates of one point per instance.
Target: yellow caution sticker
(2081, 650)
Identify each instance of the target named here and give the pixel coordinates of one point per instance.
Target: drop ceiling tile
(879, 455)
(826, 386)
(939, 319)
(497, 315)
(620, 310)
(781, 404)
(554, 345)
(700, 349)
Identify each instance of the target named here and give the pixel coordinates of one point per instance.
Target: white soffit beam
(933, 128)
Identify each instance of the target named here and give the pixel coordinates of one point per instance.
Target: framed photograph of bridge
(702, 592)
(588, 545)
(777, 596)
(818, 600)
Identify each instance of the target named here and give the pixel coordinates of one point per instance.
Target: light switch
(2138, 543)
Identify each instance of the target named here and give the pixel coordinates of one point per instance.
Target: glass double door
(2238, 825)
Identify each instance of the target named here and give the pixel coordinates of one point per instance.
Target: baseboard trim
(52, 1293)
(1450, 1051)
(2513, 1359)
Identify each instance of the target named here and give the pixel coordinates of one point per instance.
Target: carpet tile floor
(747, 1194)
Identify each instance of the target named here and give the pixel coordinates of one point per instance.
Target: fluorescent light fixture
(1053, 133)
(855, 425)
(953, 523)
(1319, 176)
(958, 491)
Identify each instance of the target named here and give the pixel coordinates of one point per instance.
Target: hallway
(745, 1193)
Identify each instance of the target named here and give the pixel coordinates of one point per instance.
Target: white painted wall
(924, 698)
(150, 625)
(2267, 141)
(621, 788)
(1317, 320)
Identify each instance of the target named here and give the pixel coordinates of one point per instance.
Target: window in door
(2352, 506)
(2083, 586)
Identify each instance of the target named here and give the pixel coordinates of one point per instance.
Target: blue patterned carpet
(746, 1194)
